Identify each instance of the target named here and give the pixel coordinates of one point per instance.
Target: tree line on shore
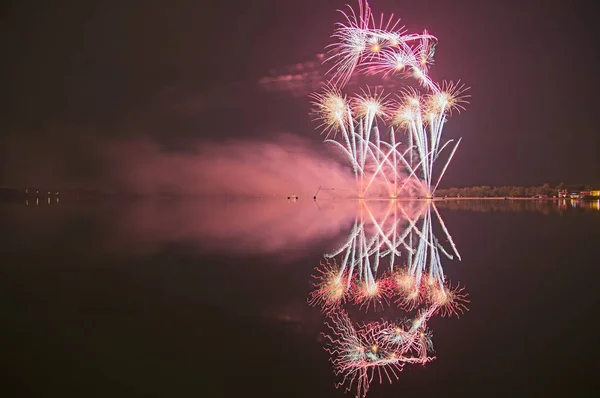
(505, 191)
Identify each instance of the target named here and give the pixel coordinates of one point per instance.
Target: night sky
(77, 73)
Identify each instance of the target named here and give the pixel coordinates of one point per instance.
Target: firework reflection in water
(390, 257)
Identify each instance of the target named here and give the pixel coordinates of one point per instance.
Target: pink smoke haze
(229, 174)
(239, 227)
(282, 167)
(245, 227)
(267, 172)
(285, 166)
(244, 187)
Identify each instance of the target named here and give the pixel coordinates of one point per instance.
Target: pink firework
(449, 300)
(358, 355)
(364, 44)
(330, 289)
(374, 294)
(381, 46)
(409, 292)
(426, 51)
(331, 110)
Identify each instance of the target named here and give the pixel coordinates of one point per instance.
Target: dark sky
(76, 73)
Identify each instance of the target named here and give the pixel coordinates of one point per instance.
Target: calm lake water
(197, 298)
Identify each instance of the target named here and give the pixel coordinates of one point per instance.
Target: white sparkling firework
(384, 165)
(361, 42)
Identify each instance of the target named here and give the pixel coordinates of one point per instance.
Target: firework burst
(451, 301)
(371, 104)
(372, 294)
(407, 288)
(360, 41)
(378, 156)
(330, 108)
(451, 97)
(360, 354)
(330, 289)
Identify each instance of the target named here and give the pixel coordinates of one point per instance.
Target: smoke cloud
(287, 165)
(283, 166)
(234, 227)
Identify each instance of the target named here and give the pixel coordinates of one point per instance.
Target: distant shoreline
(14, 194)
(510, 198)
(493, 198)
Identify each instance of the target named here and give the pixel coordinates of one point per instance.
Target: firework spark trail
(361, 42)
(373, 157)
(355, 269)
(377, 348)
(331, 290)
(384, 48)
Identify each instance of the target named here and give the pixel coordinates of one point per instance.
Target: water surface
(197, 298)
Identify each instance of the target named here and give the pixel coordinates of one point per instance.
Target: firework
(383, 47)
(449, 300)
(380, 160)
(372, 293)
(360, 354)
(354, 272)
(363, 272)
(330, 287)
(331, 110)
(377, 349)
(409, 293)
(370, 125)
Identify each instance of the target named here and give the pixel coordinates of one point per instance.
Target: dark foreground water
(189, 299)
